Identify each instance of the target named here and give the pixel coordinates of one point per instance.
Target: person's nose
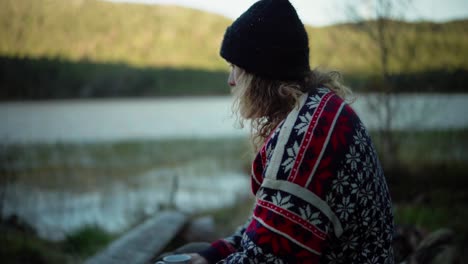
(231, 80)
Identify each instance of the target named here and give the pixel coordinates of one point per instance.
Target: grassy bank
(435, 158)
(81, 166)
(22, 246)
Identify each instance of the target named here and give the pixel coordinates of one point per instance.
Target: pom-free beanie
(268, 40)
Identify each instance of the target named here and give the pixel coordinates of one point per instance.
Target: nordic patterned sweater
(321, 196)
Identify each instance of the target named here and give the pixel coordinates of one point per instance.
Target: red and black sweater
(321, 196)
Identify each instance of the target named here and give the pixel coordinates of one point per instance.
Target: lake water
(202, 183)
(98, 120)
(56, 213)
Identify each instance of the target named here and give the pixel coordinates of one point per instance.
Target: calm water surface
(98, 120)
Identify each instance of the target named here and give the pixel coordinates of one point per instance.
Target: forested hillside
(96, 48)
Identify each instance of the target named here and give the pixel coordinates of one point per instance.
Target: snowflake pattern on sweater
(321, 193)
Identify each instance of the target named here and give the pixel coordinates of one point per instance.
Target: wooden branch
(140, 244)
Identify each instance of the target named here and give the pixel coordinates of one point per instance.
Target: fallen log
(140, 244)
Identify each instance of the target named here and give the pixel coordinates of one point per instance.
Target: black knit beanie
(268, 40)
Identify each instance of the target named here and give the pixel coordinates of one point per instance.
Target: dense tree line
(45, 78)
(54, 78)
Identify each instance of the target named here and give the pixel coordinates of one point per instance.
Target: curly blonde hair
(265, 103)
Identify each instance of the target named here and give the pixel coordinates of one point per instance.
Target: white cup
(176, 259)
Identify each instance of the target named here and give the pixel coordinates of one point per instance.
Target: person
(321, 195)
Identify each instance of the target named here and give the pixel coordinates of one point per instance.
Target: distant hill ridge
(176, 37)
(55, 49)
(137, 34)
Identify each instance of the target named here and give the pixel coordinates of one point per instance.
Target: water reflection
(200, 185)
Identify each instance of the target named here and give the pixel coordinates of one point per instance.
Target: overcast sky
(325, 12)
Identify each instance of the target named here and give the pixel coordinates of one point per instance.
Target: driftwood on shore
(140, 244)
